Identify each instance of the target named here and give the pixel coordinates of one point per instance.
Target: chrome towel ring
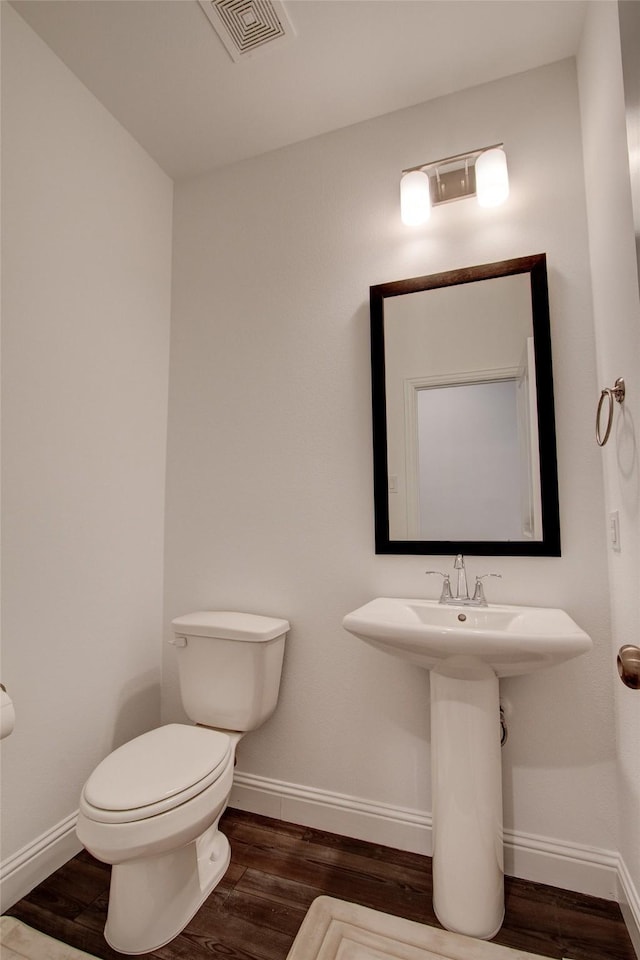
(617, 393)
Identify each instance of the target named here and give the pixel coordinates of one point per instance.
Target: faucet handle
(446, 584)
(478, 593)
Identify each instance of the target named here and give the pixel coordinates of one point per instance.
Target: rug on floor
(331, 930)
(20, 942)
(337, 930)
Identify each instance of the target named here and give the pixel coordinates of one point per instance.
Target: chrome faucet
(462, 590)
(461, 596)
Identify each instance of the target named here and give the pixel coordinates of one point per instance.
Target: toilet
(152, 807)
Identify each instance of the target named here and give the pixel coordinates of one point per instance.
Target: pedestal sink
(466, 649)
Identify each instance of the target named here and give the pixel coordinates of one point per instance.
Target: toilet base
(152, 899)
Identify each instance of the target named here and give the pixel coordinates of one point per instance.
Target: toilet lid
(157, 769)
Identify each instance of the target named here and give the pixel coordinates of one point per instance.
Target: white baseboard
(382, 823)
(587, 870)
(629, 900)
(36, 861)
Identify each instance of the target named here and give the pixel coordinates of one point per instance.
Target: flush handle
(178, 641)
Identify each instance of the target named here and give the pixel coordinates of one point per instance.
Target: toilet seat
(155, 773)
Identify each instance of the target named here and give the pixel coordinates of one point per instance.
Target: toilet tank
(230, 666)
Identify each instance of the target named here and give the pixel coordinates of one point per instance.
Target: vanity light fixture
(480, 173)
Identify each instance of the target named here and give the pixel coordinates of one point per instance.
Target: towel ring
(617, 393)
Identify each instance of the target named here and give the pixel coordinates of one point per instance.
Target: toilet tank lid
(230, 625)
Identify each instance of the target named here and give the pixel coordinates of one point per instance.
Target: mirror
(463, 414)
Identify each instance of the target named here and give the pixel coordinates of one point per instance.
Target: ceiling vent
(248, 26)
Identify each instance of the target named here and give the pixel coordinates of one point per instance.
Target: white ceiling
(163, 72)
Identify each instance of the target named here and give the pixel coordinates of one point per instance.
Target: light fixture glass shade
(492, 179)
(415, 198)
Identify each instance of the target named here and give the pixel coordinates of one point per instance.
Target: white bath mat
(337, 930)
(20, 942)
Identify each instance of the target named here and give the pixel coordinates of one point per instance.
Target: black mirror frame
(549, 545)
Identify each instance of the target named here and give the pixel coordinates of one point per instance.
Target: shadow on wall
(138, 708)
(627, 452)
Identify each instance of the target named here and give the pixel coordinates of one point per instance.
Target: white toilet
(152, 807)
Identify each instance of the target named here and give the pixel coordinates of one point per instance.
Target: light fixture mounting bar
(452, 178)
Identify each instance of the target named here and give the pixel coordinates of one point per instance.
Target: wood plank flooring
(277, 869)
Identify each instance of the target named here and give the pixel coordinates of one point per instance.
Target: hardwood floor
(277, 869)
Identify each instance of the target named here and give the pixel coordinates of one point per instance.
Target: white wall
(269, 464)
(617, 325)
(86, 302)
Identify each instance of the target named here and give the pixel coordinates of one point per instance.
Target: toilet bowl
(152, 807)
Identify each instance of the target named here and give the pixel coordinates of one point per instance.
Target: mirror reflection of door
(472, 457)
(474, 488)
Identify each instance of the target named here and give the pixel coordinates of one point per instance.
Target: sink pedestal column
(468, 880)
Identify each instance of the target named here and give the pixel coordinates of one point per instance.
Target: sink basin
(511, 640)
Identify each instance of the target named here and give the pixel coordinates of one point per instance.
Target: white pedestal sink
(466, 649)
